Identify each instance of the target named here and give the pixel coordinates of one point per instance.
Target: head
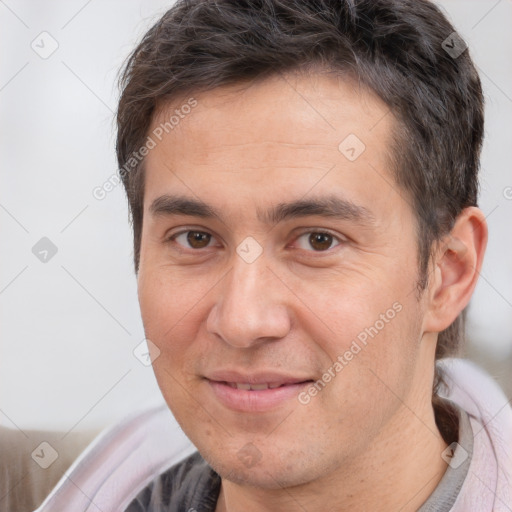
(266, 97)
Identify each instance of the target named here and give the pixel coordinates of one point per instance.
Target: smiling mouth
(260, 387)
(257, 397)
(265, 391)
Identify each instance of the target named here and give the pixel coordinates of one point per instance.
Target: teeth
(259, 386)
(254, 387)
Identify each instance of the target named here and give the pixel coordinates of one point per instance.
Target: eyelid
(341, 242)
(171, 237)
(339, 238)
(327, 231)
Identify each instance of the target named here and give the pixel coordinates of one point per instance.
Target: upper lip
(268, 377)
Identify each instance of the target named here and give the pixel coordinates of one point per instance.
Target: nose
(250, 307)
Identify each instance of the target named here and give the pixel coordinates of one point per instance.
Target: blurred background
(70, 347)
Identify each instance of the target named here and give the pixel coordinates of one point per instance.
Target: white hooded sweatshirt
(129, 460)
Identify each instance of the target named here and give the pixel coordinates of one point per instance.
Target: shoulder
(189, 484)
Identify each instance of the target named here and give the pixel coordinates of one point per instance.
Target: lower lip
(259, 400)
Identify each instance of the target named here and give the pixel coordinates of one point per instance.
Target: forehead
(296, 108)
(279, 136)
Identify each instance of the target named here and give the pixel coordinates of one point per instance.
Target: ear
(457, 265)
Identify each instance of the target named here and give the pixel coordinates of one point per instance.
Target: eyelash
(336, 238)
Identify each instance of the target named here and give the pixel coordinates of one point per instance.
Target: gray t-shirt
(193, 486)
(458, 455)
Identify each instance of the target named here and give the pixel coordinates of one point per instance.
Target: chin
(269, 472)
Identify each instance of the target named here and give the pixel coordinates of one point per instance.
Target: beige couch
(29, 469)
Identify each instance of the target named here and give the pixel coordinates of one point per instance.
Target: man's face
(266, 294)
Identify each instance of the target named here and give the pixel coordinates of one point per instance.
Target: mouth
(247, 386)
(255, 393)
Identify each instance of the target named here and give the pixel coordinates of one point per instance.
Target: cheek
(372, 378)
(173, 311)
(378, 360)
(169, 313)
(372, 331)
(167, 301)
(358, 308)
(164, 306)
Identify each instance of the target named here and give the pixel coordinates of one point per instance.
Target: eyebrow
(325, 206)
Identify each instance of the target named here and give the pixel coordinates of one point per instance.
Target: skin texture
(368, 439)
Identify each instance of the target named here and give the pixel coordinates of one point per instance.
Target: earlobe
(457, 266)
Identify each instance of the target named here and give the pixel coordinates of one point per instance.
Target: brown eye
(320, 241)
(198, 239)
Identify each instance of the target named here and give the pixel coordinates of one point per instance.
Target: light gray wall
(70, 325)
